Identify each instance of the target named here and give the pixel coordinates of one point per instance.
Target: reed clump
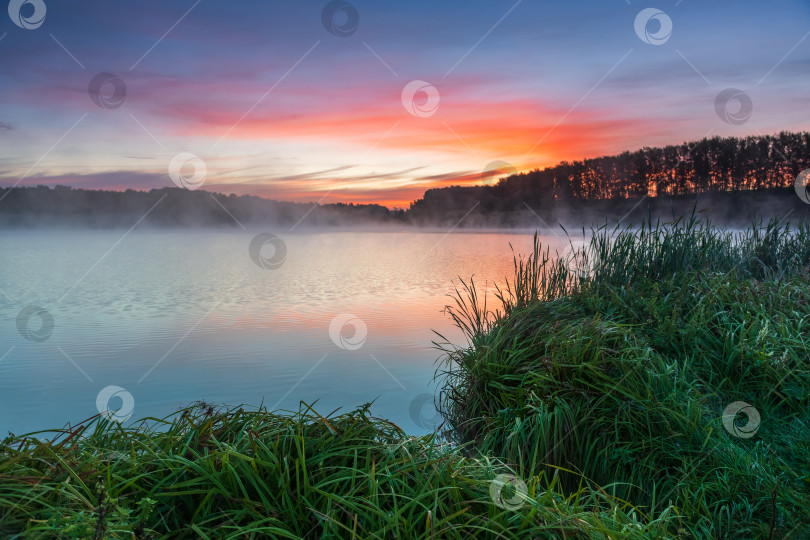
(625, 363)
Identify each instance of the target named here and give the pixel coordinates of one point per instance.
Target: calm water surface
(176, 317)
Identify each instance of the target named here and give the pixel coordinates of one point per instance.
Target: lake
(142, 324)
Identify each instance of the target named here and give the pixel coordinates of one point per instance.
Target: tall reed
(619, 362)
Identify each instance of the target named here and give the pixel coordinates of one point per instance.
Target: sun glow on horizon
(304, 114)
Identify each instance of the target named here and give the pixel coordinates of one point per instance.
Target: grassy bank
(590, 404)
(205, 473)
(620, 364)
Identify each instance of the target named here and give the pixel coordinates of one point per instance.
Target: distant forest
(731, 180)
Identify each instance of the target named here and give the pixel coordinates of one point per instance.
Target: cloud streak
(335, 123)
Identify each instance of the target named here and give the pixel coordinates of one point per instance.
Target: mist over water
(174, 317)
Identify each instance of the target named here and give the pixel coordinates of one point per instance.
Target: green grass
(233, 473)
(599, 382)
(619, 364)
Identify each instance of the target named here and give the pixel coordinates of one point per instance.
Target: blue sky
(276, 105)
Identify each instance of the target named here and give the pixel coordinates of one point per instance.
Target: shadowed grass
(619, 362)
(233, 473)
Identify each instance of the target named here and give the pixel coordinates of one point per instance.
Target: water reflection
(175, 317)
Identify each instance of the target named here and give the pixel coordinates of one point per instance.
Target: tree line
(734, 178)
(767, 163)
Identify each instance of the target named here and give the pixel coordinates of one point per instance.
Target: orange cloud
(465, 133)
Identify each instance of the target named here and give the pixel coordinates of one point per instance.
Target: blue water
(169, 318)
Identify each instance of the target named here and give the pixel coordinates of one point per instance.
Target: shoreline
(587, 406)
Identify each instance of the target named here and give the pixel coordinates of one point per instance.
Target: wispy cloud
(336, 122)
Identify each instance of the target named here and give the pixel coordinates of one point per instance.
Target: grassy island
(655, 384)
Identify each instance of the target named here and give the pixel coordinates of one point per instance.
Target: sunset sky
(301, 100)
